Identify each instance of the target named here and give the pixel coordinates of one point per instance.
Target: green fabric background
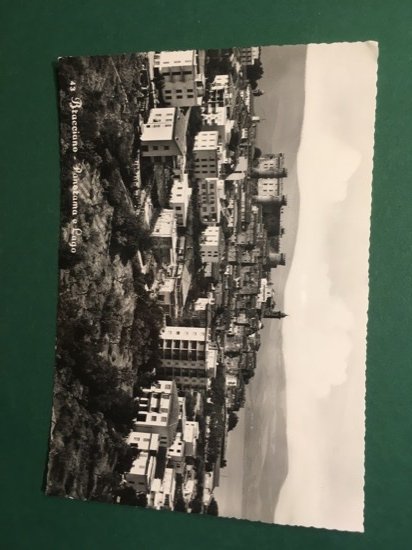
(33, 35)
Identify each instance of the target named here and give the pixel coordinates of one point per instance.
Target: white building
(271, 161)
(189, 489)
(212, 356)
(183, 76)
(180, 198)
(208, 486)
(190, 437)
(201, 303)
(216, 119)
(211, 244)
(211, 193)
(143, 441)
(187, 356)
(240, 171)
(246, 96)
(269, 187)
(220, 93)
(164, 237)
(164, 134)
(264, 292)
(142, 472)
(176, 453)
(159, 412)
(162, 491)
(248, 56)
(206, 154)
(166, 294)
(231, 381)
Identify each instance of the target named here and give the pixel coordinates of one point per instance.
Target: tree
(141, 500)
(126, 458)
(234, 140)
(129, 497)
(180, 505)
(232, 420)
(212, 509)
(255, 72)
(195, 506)
(257, 153)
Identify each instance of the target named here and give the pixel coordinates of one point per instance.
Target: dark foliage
(212, 509)
(129, 497)
(232, 420)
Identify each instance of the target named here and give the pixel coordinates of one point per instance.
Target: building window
(153, 418)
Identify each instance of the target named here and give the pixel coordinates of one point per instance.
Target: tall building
(211, 244)
(142, 472)
(271, 161)
(206, 154)
(179, 199)
(162, 491)
(270, 191)
(190, 436)
(211, 193)
(164, 134)
(220, 93)
(164, 237)
(268, 187)
(158, 412)
(216, 119)
(143, 468)
(270, 166)
(183, 76)
(240, 171)
(167, 295)
(276, 258)
(248, 56)
(187, 356)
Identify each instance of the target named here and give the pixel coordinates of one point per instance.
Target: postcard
(213, 281)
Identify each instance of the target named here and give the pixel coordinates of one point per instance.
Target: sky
(321, 115)
(326, 293)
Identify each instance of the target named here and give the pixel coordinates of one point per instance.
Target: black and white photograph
(213, 281)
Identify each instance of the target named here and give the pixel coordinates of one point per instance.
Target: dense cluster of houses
(224, 188)
(165, 438)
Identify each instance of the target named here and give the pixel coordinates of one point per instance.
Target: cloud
(324, 335)
(323, 324)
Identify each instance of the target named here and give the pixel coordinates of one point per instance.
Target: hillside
(105, 314)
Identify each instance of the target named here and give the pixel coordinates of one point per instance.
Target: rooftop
(167, 124)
